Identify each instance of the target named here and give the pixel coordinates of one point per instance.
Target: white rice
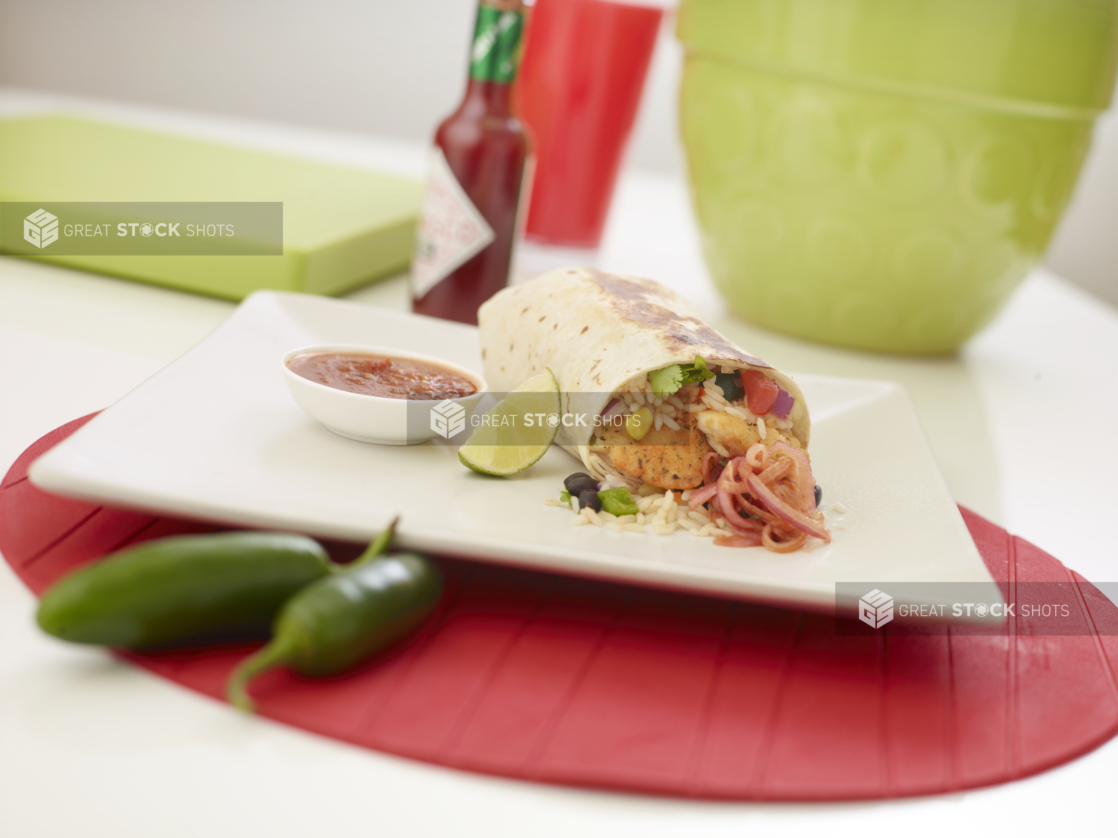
(638, 394)
(661, 514)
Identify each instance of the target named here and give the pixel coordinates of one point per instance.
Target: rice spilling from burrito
(677, 408)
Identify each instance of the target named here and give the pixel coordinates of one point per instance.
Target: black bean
(730, 382)
(818, 495)
(583, 484)
(590, 498)
(578, 475)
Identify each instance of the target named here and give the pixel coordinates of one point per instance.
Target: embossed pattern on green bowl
(867, 212)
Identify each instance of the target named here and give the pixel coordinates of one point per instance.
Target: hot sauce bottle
(470, 214)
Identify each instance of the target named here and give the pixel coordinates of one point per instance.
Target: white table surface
(92, 747)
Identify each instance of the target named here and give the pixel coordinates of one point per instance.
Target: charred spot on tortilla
(542, 319)
(639, 301)
(584, 328)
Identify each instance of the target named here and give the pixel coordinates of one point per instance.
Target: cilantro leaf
(565, 497)
(669, 379)
(666, 381)
(697, 371)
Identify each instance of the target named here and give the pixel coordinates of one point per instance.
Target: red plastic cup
(580, 83)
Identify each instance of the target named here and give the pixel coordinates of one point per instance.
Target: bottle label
(451, 230)
(495, 55)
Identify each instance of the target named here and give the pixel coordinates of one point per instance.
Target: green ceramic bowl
(882, 173)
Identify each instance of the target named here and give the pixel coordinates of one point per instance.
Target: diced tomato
(760, 391)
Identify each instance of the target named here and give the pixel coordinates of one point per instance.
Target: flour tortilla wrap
(596, 332)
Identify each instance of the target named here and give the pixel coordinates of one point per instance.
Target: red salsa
(379, 375)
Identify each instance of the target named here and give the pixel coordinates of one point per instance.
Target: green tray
(342, 228)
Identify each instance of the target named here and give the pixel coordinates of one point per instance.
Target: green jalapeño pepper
(337, 622)
(618, 501)
(183, 590)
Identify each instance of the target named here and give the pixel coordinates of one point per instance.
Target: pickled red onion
(797, 519)
(701, 496)
(783, 404)
(766, 498)
(711, 470)
(738, 541)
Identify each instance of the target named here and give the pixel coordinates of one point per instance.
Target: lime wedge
(517, 432)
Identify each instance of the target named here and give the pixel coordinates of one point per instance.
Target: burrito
(654, 399)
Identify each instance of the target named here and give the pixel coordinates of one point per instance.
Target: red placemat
(554, 679)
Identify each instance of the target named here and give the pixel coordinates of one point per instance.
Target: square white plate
(216, 436)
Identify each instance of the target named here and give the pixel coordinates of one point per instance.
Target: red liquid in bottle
(474, 196)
